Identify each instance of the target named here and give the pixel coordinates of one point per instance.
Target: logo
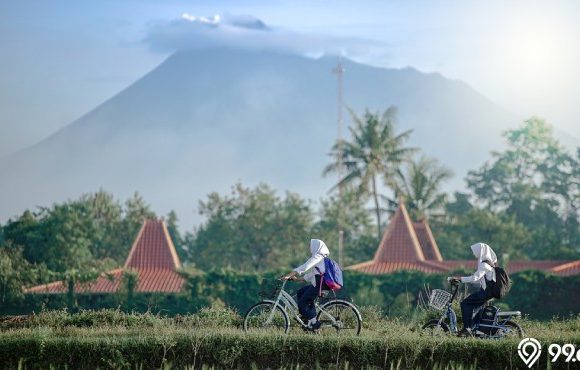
(529, 351)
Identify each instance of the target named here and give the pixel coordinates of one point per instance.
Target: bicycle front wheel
(434, 328)
(264, 317)
(341, 317)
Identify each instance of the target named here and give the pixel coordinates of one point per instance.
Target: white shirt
(315, 264)
(484, 254)
(483, 270)
(311, 268)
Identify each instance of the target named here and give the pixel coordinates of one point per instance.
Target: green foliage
(74, 241)
(456, 232)
(74, 234)
(207, 317)
(15, 271)
(537, 294)
(252, 230)
(536, 182)
(111, 339)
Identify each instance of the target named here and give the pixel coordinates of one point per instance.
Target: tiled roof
(153, 258)
(159, 280)
(427, 241)
(567, 269)
(379, 268)
(400, 242)
(408, 245)
(561, 268)
(106, 283)
(153, 248)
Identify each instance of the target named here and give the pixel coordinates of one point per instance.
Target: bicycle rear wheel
(512, 330)
(339, 317)
(264, 317)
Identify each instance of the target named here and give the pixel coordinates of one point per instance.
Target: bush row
(83, 348)
(537, 294)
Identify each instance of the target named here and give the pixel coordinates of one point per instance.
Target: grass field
(213, 339)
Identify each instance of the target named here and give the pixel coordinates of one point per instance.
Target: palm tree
(419, 185)
(374, 150)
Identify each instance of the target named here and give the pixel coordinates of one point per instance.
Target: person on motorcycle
(486, 261)
(313, 269)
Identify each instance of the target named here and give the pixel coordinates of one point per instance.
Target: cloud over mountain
(246, 32)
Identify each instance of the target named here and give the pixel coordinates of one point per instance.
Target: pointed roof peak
(153, 248)
(400, 242)
(427, 241)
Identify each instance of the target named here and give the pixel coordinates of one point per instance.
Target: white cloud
(248, 32)
(214, 21)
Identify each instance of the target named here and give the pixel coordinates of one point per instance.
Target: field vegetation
(213, 338)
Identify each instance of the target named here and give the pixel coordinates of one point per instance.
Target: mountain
(205, 119)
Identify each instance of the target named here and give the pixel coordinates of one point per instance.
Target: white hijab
(317, 246)
(483, 252)
(485, 255)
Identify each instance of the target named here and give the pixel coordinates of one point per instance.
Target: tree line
(524, 201)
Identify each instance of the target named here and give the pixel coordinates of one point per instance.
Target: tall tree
(252, 230)
(464, 224)
(16, 272)
(374, 150)
(419, 184)
(537, 182)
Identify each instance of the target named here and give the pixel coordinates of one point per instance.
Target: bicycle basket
(439, 299)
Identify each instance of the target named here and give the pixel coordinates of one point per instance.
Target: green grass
(213, 338)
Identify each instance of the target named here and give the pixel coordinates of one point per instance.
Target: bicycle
(274, 314)
(489, 321)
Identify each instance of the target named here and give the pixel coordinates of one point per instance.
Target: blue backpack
(333, 275)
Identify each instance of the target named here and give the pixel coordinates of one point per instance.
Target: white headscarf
(317, 246)
(486, 260)
(315, 264)
(483, 252)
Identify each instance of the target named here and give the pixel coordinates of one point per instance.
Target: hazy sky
(60, 59)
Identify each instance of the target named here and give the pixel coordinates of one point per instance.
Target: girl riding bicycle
(486, 260)
(312, 269)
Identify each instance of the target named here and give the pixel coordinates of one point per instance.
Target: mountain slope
(203, 120)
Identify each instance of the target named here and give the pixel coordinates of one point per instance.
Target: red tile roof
(567, 269)
(408, 245)
(153, 248)
(153, 258)
(400, 242)
(427, 241)
(379, 268)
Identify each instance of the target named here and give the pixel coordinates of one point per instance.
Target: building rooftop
(152, 257)
(408, 245)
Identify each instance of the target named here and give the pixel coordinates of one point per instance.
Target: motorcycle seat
(509, 313)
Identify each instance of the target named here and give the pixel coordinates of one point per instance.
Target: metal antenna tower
(339, 71)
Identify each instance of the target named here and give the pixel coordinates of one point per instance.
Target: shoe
(465, 333)
(315, 326)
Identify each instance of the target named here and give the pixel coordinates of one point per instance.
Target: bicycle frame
(287, 303)
(449, 313)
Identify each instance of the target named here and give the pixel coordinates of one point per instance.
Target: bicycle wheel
(434, 328)
(340, 317)
(261, 318)
(512, 330)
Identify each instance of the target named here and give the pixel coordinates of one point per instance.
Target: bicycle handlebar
(454, 287)
(453, 281)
